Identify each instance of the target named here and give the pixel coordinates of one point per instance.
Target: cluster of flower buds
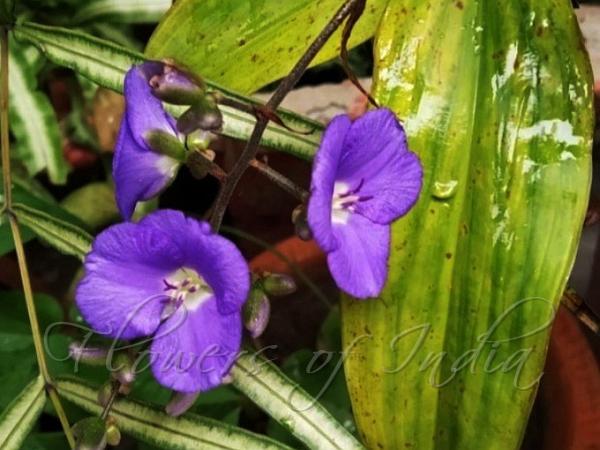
(175, 85)
(257, 309)
(152, 143)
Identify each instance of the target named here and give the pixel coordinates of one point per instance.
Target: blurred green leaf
(27, 192)
(247, 44)
(94, 204)
(285, 401)
(155, 427)
(7, 11)
(330, 335)
(106, 63)
(33, 121)
(122, 11)
(61, 234)
(18, 364)
(46, 441)
(19, 417)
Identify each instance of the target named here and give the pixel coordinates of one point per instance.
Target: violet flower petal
(219, 262)
(139, 173)
(121, 294)
(359, 265)
(325, 167)
(194, 350)
(376, 157)
(143, 110)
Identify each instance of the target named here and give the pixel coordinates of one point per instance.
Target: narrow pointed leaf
(64, 236)
(32, 119)
(21, 415)
(188, 432)
(286, 402)
(27, 192)
(245, 44)
(106, 63)
(496, 99)
(122, 11)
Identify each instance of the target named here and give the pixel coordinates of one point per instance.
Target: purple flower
(139, 172)
(364, 177)
(172, 278)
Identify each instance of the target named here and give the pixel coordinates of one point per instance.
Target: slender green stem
(35, 327)
(16, 233)
(4, 119)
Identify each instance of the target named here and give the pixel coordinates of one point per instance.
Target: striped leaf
(21, 415)
(101, 61)
(188, 432)
(496, 98)
(28, 192)
(246, 45)
(32, 119)
(62, 235)
(122, 11)
(290, 405)
(105, 63)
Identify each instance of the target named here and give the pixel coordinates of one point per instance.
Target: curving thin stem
(18, 241)
(262, 120)
(280, 180)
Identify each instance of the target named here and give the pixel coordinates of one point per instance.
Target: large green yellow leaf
(496, 98)
(245, 44)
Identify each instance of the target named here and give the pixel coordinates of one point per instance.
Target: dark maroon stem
(233, 177)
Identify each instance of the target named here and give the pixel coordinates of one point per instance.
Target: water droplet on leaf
(444, 190)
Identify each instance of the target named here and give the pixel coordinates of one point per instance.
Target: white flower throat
(344, 200)
(185, 287)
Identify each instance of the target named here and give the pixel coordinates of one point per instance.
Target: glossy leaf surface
(496, 99)
(245, 44)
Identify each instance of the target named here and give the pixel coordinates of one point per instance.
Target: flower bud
(180, 403)
(113, 434)
(278, 284)
(173, 85)
(204, 114)
(124, 371)
(300, 221)
(198, 140)
(257, 311)
(165, 144)
(90, 434)
(94, 356)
